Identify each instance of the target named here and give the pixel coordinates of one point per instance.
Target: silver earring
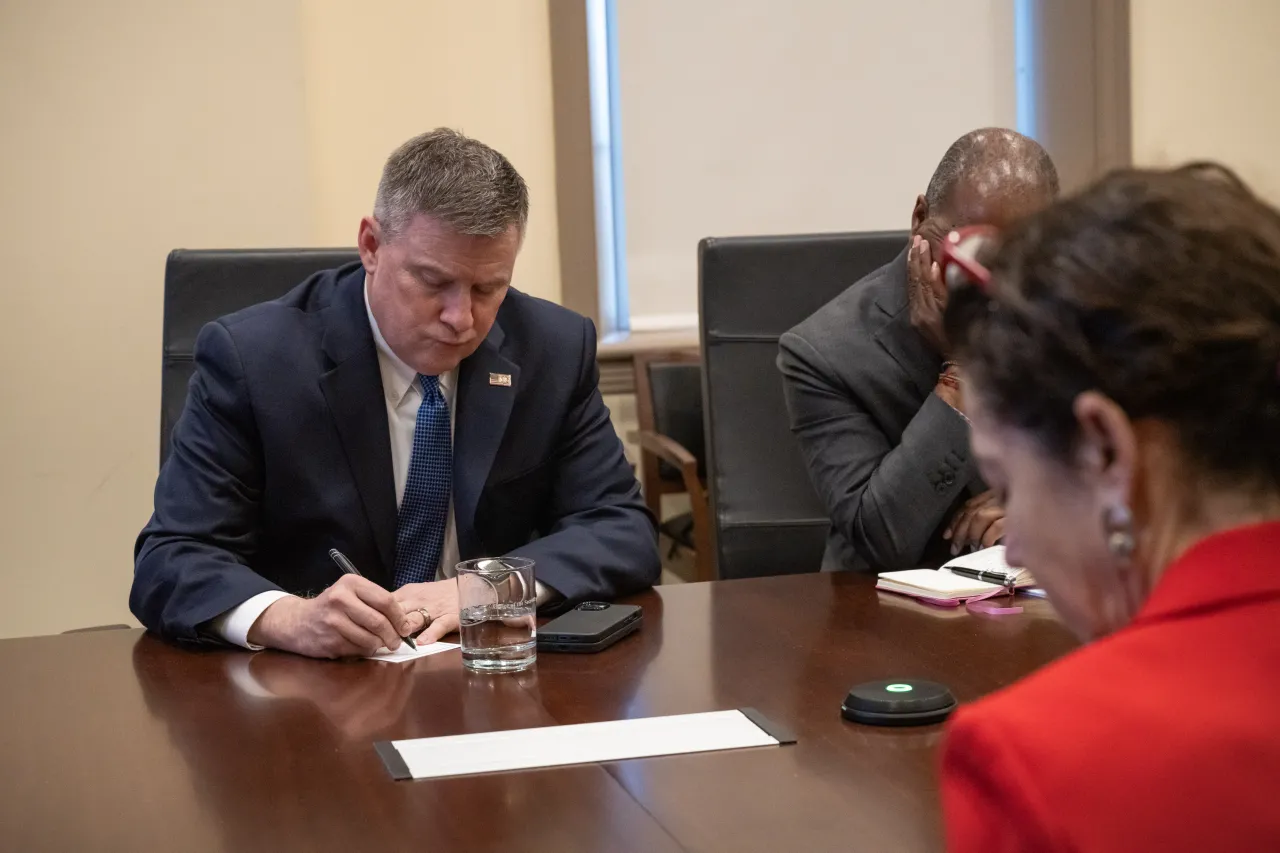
(1117, 523)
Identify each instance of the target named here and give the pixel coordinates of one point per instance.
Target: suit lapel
(483, 409)
(353, 390)
(898, 338)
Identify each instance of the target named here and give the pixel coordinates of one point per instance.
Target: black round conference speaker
(898, 702)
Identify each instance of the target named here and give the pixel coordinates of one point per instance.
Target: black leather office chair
(768, 520)
(203, 285)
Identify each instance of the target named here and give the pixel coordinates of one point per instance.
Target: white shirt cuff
(233, 626)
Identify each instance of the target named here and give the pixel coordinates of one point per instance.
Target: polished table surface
(115, 740)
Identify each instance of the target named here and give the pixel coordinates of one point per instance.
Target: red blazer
(1164, 736)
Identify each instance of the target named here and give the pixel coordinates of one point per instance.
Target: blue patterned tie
(424, 509)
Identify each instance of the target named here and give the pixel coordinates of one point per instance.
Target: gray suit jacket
(888, 457)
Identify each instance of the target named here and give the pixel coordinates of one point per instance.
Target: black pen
(986, 575)
(349, 568)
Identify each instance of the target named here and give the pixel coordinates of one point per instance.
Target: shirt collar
(1220, 571)
(398, 378)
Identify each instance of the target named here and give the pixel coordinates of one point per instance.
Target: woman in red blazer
(1122, 375)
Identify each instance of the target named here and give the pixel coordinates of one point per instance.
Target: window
(602, 52)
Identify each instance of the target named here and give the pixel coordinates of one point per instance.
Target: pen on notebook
(988, 575)
(349, 568)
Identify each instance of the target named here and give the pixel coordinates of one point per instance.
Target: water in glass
(497, 603)
(499, 637)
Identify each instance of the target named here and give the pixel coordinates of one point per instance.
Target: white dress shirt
(403, 395)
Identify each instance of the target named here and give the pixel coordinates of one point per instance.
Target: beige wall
(1206, 83)
(130, 128)
(377, 73)
(138, 126)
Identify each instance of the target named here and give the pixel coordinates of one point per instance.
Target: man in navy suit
(409, 410)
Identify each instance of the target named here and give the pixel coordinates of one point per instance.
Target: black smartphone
(589, 627)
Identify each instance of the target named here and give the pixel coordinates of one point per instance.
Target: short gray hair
(992, 151)
(459, 180)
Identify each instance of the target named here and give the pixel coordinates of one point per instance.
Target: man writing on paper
(874, 400)
(408, 410)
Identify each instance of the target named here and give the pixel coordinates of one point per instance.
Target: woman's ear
(1106, 451)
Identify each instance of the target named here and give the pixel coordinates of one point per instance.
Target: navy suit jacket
(283, 452)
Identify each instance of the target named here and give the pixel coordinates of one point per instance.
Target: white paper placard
(584, 743)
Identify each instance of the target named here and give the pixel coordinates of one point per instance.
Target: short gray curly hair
(459, 180)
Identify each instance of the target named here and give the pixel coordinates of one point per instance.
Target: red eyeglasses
(960, 256)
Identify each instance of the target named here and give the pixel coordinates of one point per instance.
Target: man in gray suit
(874, 401)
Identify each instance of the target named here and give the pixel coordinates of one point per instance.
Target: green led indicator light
(898, 688)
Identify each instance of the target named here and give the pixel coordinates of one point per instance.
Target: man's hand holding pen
(353, 617)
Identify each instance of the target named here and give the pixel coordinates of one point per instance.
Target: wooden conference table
(115, 740)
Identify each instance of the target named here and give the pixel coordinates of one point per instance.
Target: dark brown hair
(1160, 289)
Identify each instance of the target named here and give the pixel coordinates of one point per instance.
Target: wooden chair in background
(673, 448)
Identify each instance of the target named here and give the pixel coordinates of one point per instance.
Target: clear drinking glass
(497, 603)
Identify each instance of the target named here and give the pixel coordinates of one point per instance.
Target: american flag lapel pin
(503, 379)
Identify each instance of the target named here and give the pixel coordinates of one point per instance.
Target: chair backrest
(203, 285)
(768, 519)
(669, 401)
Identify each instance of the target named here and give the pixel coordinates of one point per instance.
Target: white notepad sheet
(987, 560)
(404, 653)
(584, 743)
